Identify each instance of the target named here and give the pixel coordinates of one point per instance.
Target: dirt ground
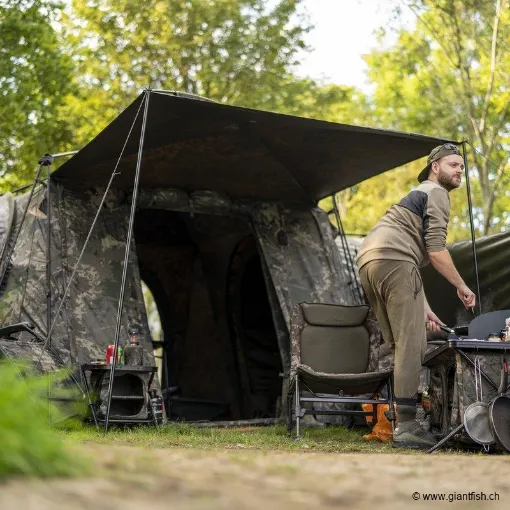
(131, 478)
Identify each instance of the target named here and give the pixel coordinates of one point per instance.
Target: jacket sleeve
(436, 220)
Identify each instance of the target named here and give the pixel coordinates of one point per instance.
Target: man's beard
(446, 181)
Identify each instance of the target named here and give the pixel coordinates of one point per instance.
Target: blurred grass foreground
(29, 444)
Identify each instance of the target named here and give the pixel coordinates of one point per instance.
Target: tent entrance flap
(299, 250)
(221, 358)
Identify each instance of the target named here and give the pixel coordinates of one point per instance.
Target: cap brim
(424, 174)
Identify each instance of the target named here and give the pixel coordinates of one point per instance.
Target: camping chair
(70, 382)
(332, 353)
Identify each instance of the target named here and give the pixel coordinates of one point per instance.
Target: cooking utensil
(499, 411)
(457, 331)
(476, 415)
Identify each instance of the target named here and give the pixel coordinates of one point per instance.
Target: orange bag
(382, 429)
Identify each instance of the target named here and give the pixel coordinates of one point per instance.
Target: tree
(450, 76)
(86, 61)
(235, 51)
(35, 78)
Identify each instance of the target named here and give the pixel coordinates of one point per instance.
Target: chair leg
(289, 413)
(297, 404)
(391, 411)
(374, 414)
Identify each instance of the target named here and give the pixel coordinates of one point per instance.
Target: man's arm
(443, 263)
(437, 216)
(432, 321)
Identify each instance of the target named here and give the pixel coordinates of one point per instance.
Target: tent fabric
(86, 323)
(297, 246)
(212, 177)
(7, 209)
(246, 154)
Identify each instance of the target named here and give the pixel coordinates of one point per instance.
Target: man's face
(449, 171)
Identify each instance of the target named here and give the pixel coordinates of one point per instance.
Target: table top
(123, 368)
(447, 351)
(482, 345)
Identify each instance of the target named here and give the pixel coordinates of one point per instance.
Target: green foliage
(29, 446)
(88, 60)
(67, 68)
(235, 51)
(35, 77)
(450, 77)
(226, 50)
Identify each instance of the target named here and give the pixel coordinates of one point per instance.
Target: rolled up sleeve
(436, 220)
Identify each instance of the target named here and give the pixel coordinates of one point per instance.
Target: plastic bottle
(133, 351)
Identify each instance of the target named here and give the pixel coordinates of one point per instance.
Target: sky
(344, 31)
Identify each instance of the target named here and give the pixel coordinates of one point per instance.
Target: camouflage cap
(436, 154)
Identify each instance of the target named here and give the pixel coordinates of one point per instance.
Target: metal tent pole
(46, 161)
(48, 251)
(126, 259)
(470, 207)
(348, 256)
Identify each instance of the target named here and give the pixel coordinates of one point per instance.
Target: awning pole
(470, 207)
(126, 259)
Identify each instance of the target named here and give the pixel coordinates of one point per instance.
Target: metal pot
(476, 415)
(477, 425)
(499, 411)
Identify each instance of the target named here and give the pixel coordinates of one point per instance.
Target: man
(411, 234)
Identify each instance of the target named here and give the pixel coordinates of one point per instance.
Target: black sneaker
(410, 434)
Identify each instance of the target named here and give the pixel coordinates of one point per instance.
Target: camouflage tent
(227, 235)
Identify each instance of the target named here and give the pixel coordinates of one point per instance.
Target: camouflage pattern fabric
(87, 321)
(299, 248)
(452, 389)
(298, 256)
(7, 208)
(205, 201)
(464, 391)
(30, 352)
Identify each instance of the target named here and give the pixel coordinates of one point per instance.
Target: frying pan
(476, 415)
(499, 411)
(457, 331)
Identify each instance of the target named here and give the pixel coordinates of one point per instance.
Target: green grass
(269, 439)
(28, 445)
(274, 438)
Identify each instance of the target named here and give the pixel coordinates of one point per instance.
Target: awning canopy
(247, 154)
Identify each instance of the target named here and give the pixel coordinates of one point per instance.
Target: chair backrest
(334, 338)
(486, 323)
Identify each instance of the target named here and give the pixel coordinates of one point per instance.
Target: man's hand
(432, 321)
(467, 296)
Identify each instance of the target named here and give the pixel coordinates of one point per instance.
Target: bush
(28, 444)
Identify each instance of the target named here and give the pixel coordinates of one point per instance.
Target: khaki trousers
(395, 291)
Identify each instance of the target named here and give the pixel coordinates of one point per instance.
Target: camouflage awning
(246, 154)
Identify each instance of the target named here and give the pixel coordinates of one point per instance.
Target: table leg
(447, 438)
(151, 378)
(91, 405)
